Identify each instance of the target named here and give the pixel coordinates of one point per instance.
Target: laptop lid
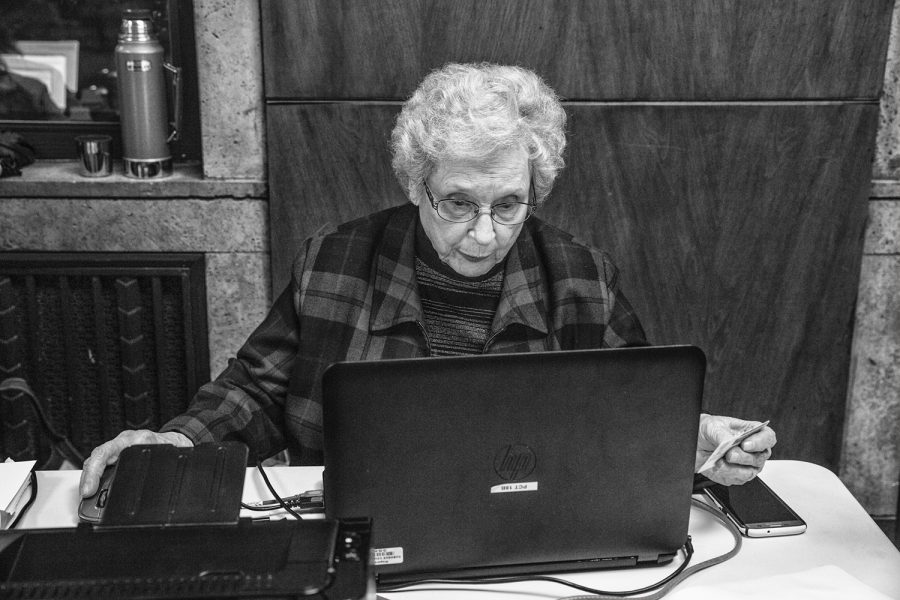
(510, 463)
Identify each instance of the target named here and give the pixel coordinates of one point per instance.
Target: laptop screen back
(501, 464)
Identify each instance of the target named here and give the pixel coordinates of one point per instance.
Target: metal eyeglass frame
(532, 206)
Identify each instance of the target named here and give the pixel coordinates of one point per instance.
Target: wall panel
(718, 149)
(334, 166)
(738, 228)
(591, 50)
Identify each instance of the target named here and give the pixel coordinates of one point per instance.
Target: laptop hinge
(520, 569)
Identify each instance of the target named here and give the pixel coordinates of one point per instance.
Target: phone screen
(756, 509)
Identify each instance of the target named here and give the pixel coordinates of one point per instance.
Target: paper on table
(15, 478)
(728, 444)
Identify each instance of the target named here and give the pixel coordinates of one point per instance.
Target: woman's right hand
(108, 453)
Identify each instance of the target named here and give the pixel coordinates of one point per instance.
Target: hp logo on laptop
(514, 461)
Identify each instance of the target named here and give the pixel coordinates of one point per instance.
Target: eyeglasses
(461, 211)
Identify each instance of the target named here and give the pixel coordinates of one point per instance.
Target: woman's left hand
(741, 463)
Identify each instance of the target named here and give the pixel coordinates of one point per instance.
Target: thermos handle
(177, 93)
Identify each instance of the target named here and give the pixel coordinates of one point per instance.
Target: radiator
(106, 341)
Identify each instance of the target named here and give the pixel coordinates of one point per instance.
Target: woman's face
(472, 248)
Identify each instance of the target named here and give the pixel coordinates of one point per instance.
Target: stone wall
(870, 460)
(220, 211)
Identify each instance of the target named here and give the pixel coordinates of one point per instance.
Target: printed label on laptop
(387, 556)
(520, 486)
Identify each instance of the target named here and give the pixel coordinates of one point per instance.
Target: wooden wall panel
(590, 49)
(334, 165)
(720, 150)
(737, 228)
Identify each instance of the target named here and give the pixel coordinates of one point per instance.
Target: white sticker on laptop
(519, 486)
(387, 556)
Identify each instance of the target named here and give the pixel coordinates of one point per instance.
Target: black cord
(299, 500)
(688, 550)
(662, 591)
(330, 572)
(258, 508)
(60, 447)
(274, 495)
(28, 504)
(660, 588)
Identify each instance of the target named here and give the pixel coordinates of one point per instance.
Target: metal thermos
(142, 98)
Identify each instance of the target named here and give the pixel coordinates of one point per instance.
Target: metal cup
(94, 155)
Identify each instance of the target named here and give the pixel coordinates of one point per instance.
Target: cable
(330, 572)
(61, 448)
(303, 503)
(735, 534)
(24, 509)
(687, 548)
(275, 495)
(662, 587)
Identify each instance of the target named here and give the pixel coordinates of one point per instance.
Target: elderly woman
(465, 268)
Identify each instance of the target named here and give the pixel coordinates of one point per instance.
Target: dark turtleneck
(458, 310)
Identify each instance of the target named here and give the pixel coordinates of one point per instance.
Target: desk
(840, 533)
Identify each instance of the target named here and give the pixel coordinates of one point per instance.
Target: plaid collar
(396, 296)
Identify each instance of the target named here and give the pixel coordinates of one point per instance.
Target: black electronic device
(503, 464)
(161, 484)
(755, 509)
(272, 559)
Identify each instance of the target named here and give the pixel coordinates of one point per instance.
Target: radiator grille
(110, 341)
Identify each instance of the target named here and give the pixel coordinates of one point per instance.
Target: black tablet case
(160, 484)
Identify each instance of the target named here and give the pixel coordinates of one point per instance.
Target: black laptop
(507, 464)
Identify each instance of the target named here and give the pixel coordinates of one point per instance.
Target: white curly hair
(471, 111)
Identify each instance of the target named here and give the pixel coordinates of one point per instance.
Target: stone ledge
(134, 225)
(60, 179)
(885, 188)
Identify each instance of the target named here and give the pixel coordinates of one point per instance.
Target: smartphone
(755, 509)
